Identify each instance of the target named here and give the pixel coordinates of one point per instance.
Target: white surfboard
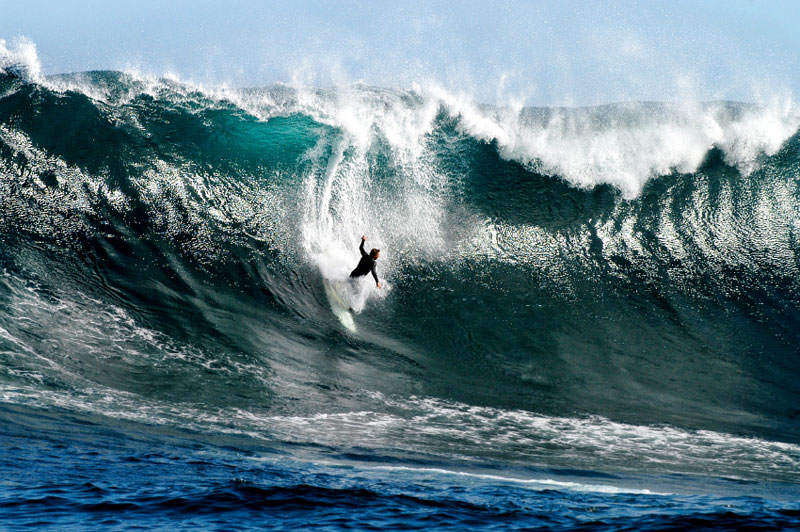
(340, 309)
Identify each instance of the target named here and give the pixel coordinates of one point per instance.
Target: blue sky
(544, 52)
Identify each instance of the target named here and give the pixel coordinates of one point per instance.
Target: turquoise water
(589, 319)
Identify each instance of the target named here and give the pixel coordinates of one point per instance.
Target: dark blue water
(590, 317)
(74, 473)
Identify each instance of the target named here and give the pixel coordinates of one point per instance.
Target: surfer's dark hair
(374, 252)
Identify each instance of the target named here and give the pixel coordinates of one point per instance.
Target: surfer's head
(375, 253)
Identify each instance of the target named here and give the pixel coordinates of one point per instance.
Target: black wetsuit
(365, 265)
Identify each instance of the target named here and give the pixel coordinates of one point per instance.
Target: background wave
(163, 250)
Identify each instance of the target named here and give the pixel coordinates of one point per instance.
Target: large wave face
(164, 250)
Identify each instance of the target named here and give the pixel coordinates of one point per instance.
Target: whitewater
(592, 308)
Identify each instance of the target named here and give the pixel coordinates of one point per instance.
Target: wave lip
(627, 145)
(624, 145)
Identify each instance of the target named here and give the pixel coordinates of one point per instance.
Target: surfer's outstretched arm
(361, 247)
(375, 275)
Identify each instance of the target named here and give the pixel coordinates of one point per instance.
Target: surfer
(367, 263)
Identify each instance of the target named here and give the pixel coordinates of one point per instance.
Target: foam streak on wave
(421, 428)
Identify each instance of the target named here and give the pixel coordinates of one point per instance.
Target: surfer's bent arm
(361, 247)
(375, 275)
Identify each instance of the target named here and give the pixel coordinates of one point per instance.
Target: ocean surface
(590, 317)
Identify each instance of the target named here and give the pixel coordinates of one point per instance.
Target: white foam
(343, 200)
(19, 57)
(632, 143)
(531, 483)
